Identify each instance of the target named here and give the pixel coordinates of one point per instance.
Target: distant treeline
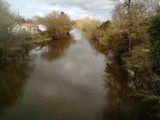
(87, 24)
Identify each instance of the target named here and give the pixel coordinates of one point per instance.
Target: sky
(76, 9)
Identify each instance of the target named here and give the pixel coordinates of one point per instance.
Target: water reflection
(12, 80)
(95, 43)
(119, 104)
(57, 49)
(66, 83)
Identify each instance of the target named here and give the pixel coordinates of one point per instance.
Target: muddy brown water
(68, 79)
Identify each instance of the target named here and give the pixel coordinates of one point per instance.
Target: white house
(42, 27)
(25, 27)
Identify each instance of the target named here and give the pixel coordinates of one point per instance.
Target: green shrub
(138, 59)
(154, 32)
(118, 42)
(104, 41)
(105, 25)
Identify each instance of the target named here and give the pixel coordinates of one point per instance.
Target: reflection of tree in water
(56, 49)
(12, 80)
(119, 104)
(94, 43)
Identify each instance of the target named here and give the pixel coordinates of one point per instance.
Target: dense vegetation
(5, 22)
(133, 35)
(58, 25)
(154, 32)
(11, 45)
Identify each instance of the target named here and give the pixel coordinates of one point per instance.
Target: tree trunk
(3, 53)
(130, 25)
(129, 44)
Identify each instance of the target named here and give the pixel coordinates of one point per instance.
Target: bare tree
(5, 22)
(58, 25)
(131, 16)
(9, 41)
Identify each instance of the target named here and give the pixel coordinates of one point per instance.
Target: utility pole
(18, 13)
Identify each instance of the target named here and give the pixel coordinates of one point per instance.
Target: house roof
(28, 25)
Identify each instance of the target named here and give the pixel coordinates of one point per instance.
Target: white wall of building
(18, 28)
(42, 27)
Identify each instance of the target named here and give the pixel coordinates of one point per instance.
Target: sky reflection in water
(66, 83)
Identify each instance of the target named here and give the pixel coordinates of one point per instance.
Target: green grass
(104, 41)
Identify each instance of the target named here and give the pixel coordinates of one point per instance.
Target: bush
(154, 32)
(118, 42)
(104, 41)
(138, 61)
(105, 25)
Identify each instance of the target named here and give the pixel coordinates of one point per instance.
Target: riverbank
(134, 78)
(134, 50)
(134, 38)
(20, 45)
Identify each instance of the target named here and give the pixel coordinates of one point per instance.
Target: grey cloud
(76, 9)
(88, 5)
(96, 7)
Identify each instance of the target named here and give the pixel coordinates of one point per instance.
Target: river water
(68, 79)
